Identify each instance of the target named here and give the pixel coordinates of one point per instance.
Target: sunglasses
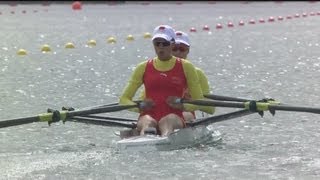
(180, 48)
(164, 43)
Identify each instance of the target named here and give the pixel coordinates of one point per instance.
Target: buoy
(206, 28)
(241, 23)
(69, 45)
(230, 24)
(219, 26)
(22, 52)
(130, 37)
(312, 13)
(92, 42)
(280, 18)
(297, 15)
(193, 29)
(111, 40)
(76, 5)
(45, 48)
(147, 35)
(252, 21)
(271, 19)
(304, 15)
(289, 17)
(261, 20)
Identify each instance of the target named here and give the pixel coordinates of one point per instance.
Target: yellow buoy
(111, 40)
(69, 45)
(46, 48)
(147, 35)
(92, 42)
(130, 37)
(22, 52)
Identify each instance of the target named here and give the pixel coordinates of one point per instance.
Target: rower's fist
(146, 104)
(174, 102)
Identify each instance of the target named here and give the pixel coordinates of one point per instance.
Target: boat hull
(182, 138)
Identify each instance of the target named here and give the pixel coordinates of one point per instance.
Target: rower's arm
(136, 80)
(204, 83)
(194, 88)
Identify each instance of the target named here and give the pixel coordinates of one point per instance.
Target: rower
(181, 49)
(165, 79)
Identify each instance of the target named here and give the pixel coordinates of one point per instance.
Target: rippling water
(278, 59)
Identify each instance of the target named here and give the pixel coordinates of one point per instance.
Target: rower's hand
(174, 102)
(146, 104)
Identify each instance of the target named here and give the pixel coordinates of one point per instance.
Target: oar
(225, 98)
(88, 120)
(106, 105)
(110, 118)
(56, 116)
(218, 118)
(92, 107)
(272, 106)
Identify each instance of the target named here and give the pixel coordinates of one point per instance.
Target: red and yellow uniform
(173, 65)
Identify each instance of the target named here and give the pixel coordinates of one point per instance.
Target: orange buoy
(76, 5)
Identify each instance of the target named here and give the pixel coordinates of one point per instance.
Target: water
(276, 59)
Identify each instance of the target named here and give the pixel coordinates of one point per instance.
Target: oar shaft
(222, 117)
(225, 98)
(111, 118)
(101, 122)
(56, 116)
(294, 108)
(100, 110)
(215, 103)
(14, 122)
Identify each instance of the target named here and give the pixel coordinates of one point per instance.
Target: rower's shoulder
(142, 64)
(186, 62)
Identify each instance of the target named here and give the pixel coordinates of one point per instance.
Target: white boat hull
(182, 138)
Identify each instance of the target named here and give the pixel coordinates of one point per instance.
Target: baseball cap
(182, 37)
(164, 31)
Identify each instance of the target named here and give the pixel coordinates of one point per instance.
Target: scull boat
(180, 138)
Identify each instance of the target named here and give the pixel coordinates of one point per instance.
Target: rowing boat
(196, 132)
(180, 138)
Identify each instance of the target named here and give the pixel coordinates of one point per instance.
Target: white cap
(182, 37)
(164, 31)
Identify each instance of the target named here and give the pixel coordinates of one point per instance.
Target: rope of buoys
(112, 40)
